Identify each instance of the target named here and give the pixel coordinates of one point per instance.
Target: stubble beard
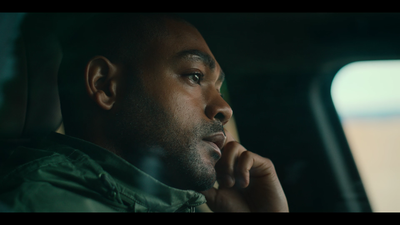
(149, 132)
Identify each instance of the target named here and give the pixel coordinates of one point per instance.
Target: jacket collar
(135, 187)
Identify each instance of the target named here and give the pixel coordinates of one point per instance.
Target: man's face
(171, 118)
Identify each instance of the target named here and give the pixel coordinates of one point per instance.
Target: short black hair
(120, 37)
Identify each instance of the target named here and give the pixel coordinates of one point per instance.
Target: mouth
(216, 140)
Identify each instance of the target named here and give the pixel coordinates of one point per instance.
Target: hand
(247, 182)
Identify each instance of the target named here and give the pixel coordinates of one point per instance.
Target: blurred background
(366, 95)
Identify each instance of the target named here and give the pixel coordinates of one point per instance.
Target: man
(143, 116)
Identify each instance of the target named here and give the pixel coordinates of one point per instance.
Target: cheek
(186, 107)
(184, 103)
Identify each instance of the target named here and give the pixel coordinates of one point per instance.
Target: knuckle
(268, 162)
(246, 154)
(232, 145)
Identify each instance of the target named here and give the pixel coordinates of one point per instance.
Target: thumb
(210, 195)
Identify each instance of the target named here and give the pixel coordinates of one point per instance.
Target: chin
(203, 180)
(193, 168)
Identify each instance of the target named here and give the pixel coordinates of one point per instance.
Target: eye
(196, 77)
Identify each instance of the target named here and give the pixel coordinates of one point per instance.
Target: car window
(367, 99)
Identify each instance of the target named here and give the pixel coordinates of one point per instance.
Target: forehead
(180, 42)
(183, 39)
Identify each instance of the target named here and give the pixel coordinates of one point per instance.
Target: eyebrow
(197, 55)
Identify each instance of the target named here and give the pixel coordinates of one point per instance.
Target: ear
(101, 81)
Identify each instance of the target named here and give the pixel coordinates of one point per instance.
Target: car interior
(279, 70)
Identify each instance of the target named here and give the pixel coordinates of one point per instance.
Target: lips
(216, 140)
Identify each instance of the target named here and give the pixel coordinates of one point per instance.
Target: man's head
(152, 97)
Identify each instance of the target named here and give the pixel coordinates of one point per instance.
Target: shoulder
(33, 196)
(57, 178)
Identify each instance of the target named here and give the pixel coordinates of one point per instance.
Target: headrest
(29, 101)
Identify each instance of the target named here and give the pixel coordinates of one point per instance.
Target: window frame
(332, 135)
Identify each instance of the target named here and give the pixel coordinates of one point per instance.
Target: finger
(210, 194)
(251, 165)
(225, 165)
(229, 136)
(242, 172)
(225, 200)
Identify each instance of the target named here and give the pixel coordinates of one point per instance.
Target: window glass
(366, 95)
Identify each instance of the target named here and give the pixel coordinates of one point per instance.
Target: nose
(218, 109)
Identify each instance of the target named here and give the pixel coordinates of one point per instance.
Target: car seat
(29, 61)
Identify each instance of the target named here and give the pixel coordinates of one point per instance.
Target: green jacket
(66, 174)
